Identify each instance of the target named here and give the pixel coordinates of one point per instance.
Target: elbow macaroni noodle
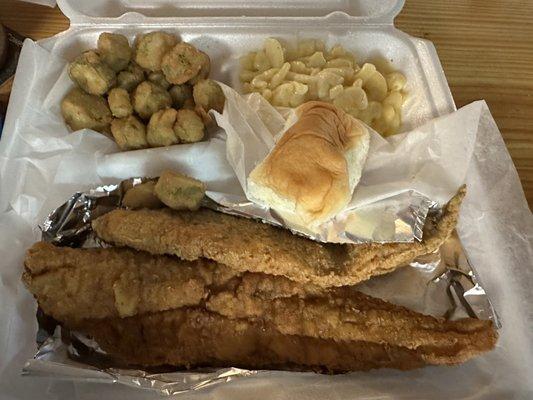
(288, 78)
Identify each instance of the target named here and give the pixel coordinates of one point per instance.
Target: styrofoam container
(225, 30)
(228, 29)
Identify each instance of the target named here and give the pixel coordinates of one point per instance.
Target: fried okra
(151, 47)
(149, 98)
(189, 104)
(160, 131)
(91, 74)
(205, 69)
(129, 133)
(141, 196)
(181, 63)
(179, 191)
(189, 127)
(114, 50)
(180, 94)
(119, 102)
(159, 79)
(81, 110)
(131, 77)
(208, 95)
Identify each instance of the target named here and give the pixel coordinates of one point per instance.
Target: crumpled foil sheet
(441, 284)
(398, 218)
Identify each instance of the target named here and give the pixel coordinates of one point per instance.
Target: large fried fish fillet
(247, 245)
(72, 284)
(354, 316)
(196, 337)
(192, 338)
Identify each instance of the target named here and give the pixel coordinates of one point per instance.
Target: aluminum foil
(399, 218)
(442, 284)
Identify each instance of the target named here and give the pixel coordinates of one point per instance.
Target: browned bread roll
(310, 174)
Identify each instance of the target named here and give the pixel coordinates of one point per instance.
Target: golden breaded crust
(354, 316)
(72, 284)
(192, 338)
(247, 245)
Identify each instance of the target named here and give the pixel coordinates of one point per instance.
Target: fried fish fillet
(354, 316)
(72, 284)
(76, 285)
(192, 338)
(247, 245)
(196, 337)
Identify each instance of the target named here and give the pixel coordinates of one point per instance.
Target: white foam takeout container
(226, 30)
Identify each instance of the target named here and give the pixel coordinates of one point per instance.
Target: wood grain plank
(485, 48)
(32, 20)
(487, 53)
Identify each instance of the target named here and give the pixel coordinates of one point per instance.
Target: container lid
(373, 11)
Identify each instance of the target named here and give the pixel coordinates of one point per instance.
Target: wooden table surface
(486, 49)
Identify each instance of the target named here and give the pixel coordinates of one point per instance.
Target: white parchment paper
(432, 159)
(402, 175)
(41, 164)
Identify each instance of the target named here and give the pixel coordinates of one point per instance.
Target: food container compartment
(364, 27)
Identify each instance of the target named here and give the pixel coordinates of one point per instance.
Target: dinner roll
(314, 167)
